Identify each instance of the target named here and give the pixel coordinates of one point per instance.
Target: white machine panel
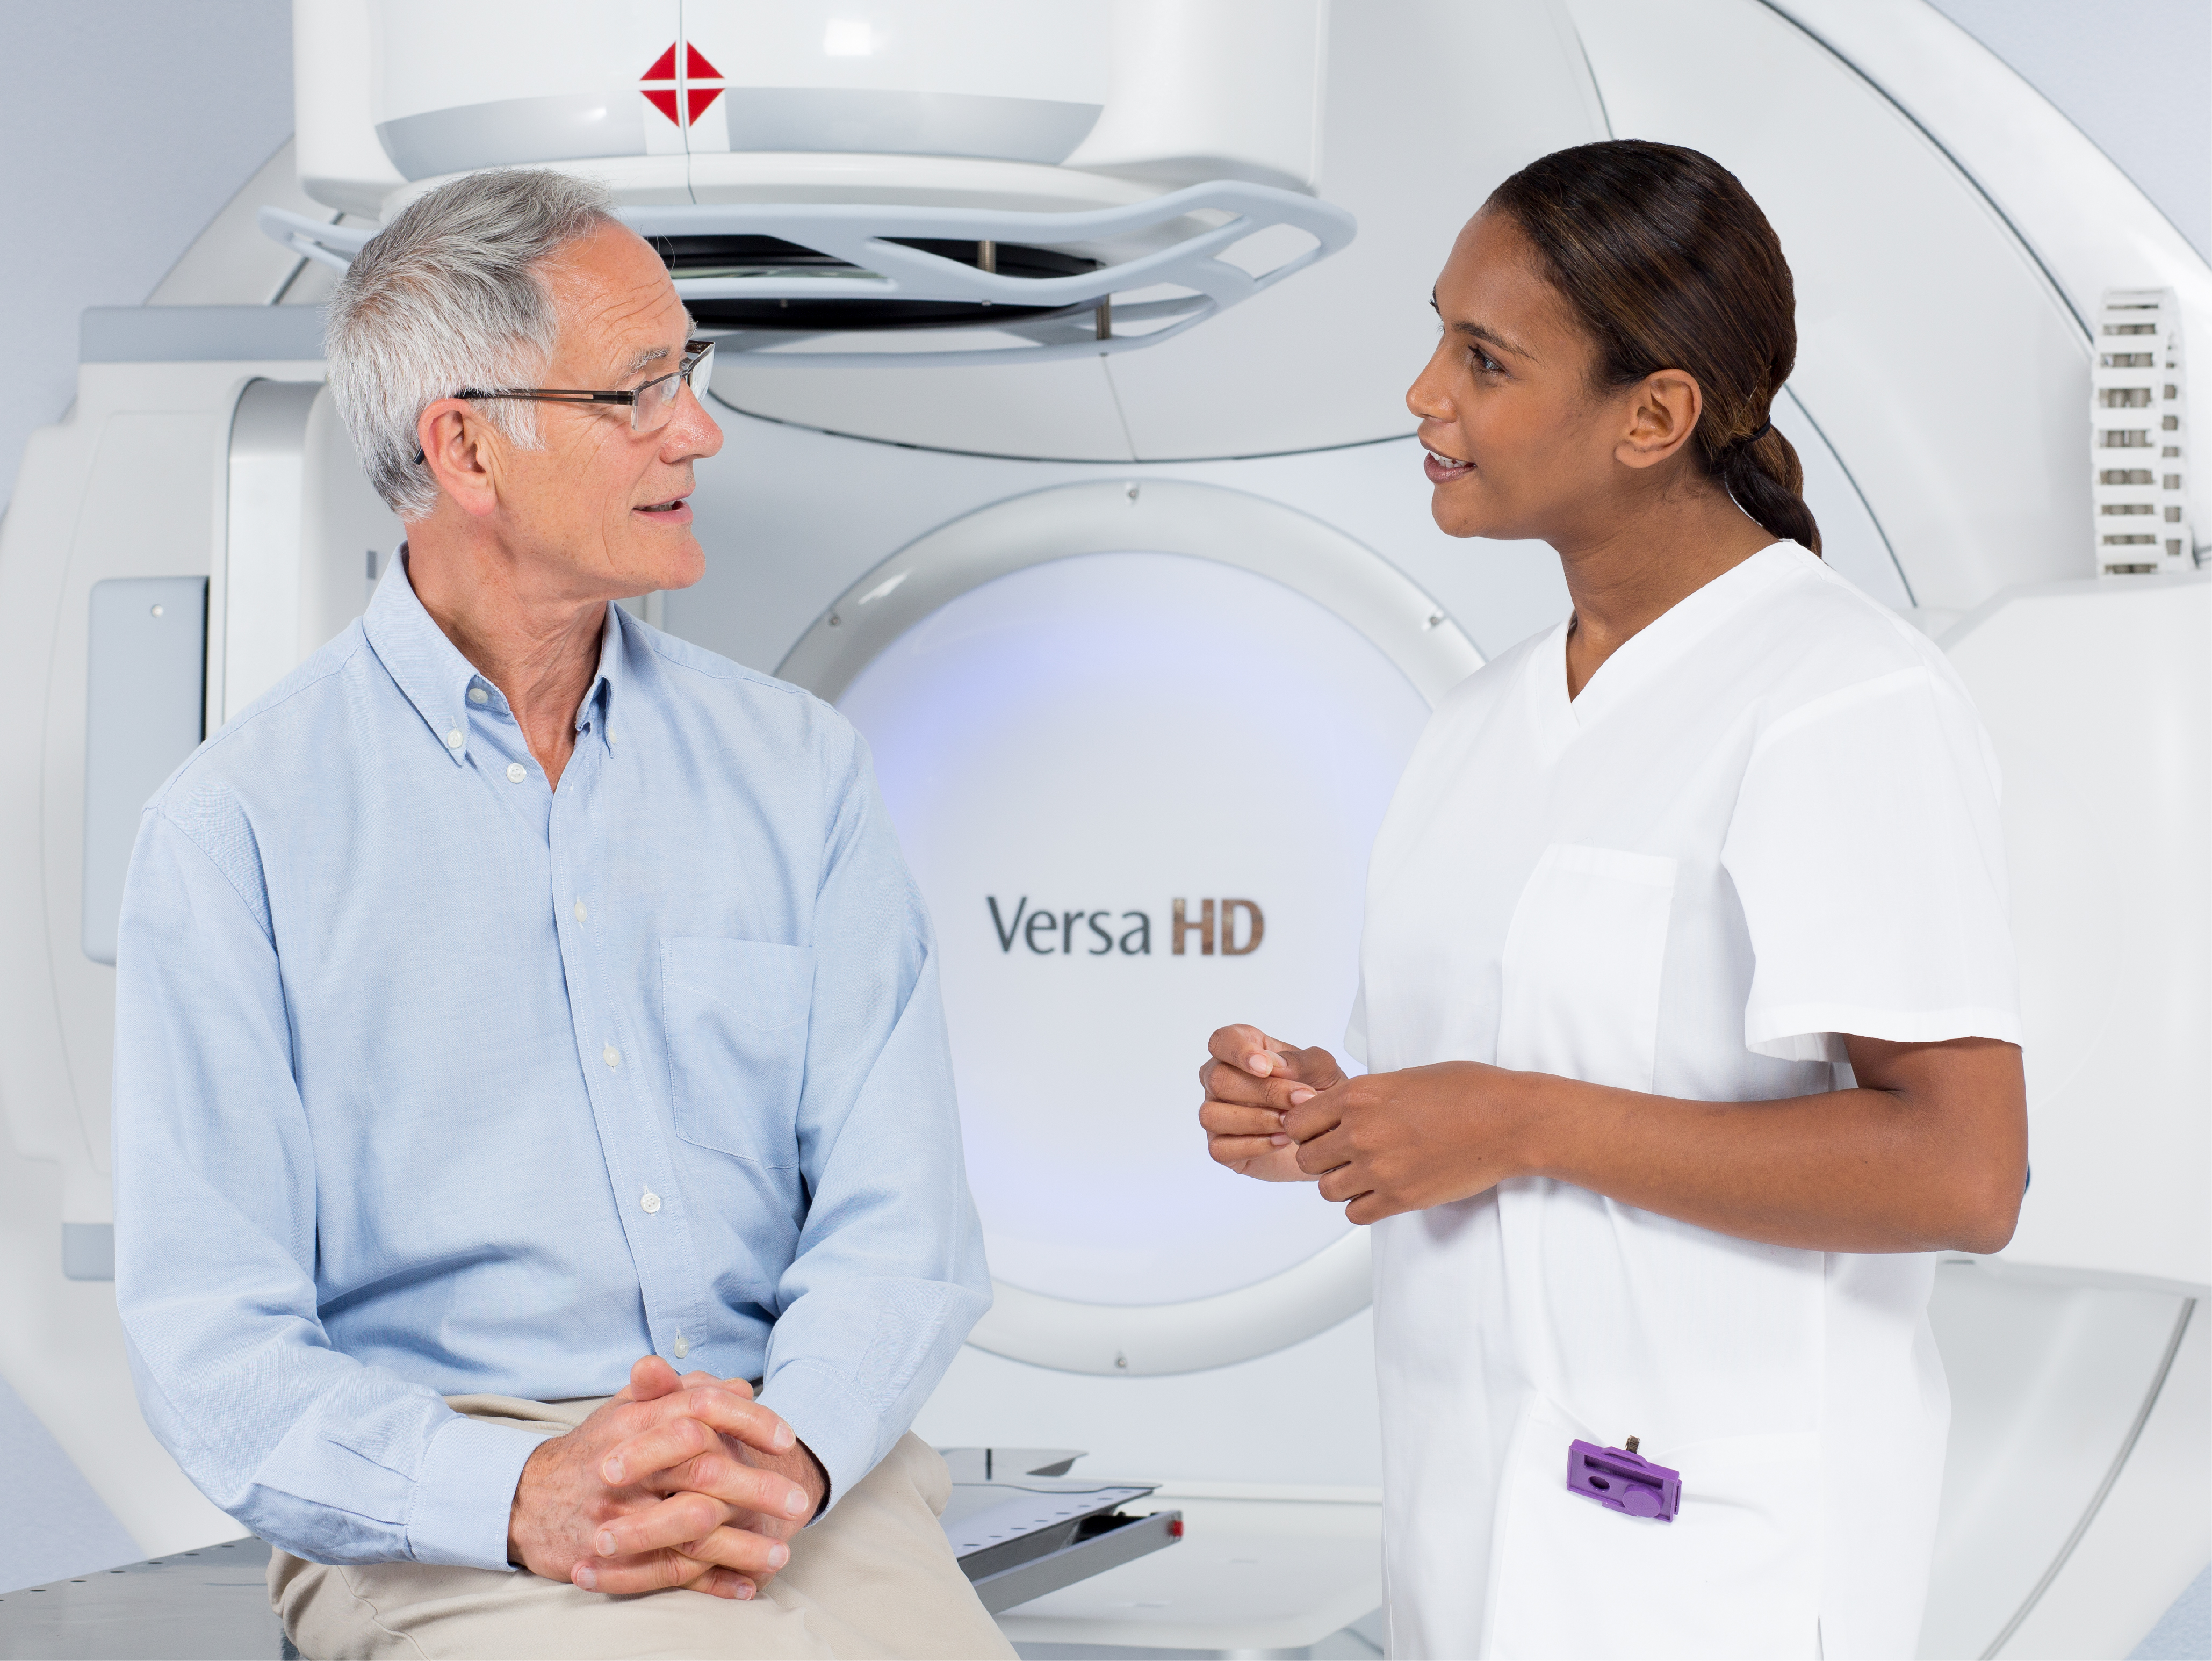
(146, 687)
(462, 88)
(2108, 819)
(306, 537)
(1228, 90)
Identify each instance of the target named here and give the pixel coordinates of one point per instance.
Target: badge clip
(1622, 1480)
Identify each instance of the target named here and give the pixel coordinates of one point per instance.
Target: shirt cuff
(842, 1432)
(464, 1495)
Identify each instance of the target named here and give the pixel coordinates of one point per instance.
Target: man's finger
(669, 1441)
(722, 1583)
(740, 1416)
(673, 1523)
(741, 1550)
(708, 1381)
(735, 1484)
(650, 1378)
(756, 1556)
(624, 1577)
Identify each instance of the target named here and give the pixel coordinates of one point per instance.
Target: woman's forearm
(1929, 1153)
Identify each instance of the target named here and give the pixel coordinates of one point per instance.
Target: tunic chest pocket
(1583, 964)
(734, 1013)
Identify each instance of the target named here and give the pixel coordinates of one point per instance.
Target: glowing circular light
(1080, 744)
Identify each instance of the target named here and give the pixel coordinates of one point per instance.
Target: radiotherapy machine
(1062, 345)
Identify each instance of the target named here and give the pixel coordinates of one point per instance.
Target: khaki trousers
(875, 1578)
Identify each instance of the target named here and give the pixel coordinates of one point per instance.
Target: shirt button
(611, 1056)
(650, 1201)
(453, 739)
(478, 695)
(515, 772)
(681, 1348)
(579, 910)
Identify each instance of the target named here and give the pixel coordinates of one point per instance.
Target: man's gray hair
(451, 295)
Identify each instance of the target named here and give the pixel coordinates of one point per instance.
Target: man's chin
(664, 569)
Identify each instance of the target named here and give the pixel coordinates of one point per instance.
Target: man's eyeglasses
(650, 405)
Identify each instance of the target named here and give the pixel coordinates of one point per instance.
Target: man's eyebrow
(647, 356)
(1482, 332)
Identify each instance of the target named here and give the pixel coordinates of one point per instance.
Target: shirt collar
(615, 647)
(1667, 638)
(430, 671)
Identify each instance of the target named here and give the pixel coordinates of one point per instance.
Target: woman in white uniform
(1686, 991)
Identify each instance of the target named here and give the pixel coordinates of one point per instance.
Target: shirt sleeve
(1868, 853)
(214, 1239)
(1355, 1025)
(889, 1275)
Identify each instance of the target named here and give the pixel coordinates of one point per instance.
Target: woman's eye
(1484, 361)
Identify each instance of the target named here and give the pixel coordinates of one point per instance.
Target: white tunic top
(1769, 819)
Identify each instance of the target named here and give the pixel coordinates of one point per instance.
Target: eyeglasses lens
(656, 402)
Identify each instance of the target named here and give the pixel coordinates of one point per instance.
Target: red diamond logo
(679, 96)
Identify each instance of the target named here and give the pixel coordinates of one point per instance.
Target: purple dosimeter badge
(1621, 1479)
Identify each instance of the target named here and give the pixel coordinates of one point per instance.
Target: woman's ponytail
(1768, 482)
(1669, 264)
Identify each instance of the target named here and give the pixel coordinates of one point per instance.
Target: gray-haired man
(515, 991)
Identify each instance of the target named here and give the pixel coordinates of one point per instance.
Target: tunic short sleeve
(1867, 851)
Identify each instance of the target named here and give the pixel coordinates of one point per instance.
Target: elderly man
(515, 991)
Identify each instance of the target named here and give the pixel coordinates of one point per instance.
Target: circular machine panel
(1137, 737)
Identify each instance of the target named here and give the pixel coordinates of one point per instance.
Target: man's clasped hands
(674, 1481)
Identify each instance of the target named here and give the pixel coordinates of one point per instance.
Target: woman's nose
(1427, 398)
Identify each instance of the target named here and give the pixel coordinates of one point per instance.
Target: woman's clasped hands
(1378, 1144)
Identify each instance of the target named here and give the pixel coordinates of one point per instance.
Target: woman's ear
(1662, 412)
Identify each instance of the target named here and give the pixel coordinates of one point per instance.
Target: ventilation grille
(2138, 457)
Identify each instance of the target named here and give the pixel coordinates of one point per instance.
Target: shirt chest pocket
(734, 1015)
(1583, 964)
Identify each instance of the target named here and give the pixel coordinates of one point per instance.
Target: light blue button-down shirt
(431, 1080)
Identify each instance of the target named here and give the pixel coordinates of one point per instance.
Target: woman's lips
(1443, 470)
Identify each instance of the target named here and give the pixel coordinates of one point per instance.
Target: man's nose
(692, 431)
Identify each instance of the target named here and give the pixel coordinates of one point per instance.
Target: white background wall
(124, 125)
(2134, 74)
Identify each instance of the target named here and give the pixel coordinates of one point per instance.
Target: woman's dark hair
(1669, 264)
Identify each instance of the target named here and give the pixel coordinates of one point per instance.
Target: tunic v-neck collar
(1647, 654)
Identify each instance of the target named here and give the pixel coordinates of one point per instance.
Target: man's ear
(1662, 411)
(463, 452)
